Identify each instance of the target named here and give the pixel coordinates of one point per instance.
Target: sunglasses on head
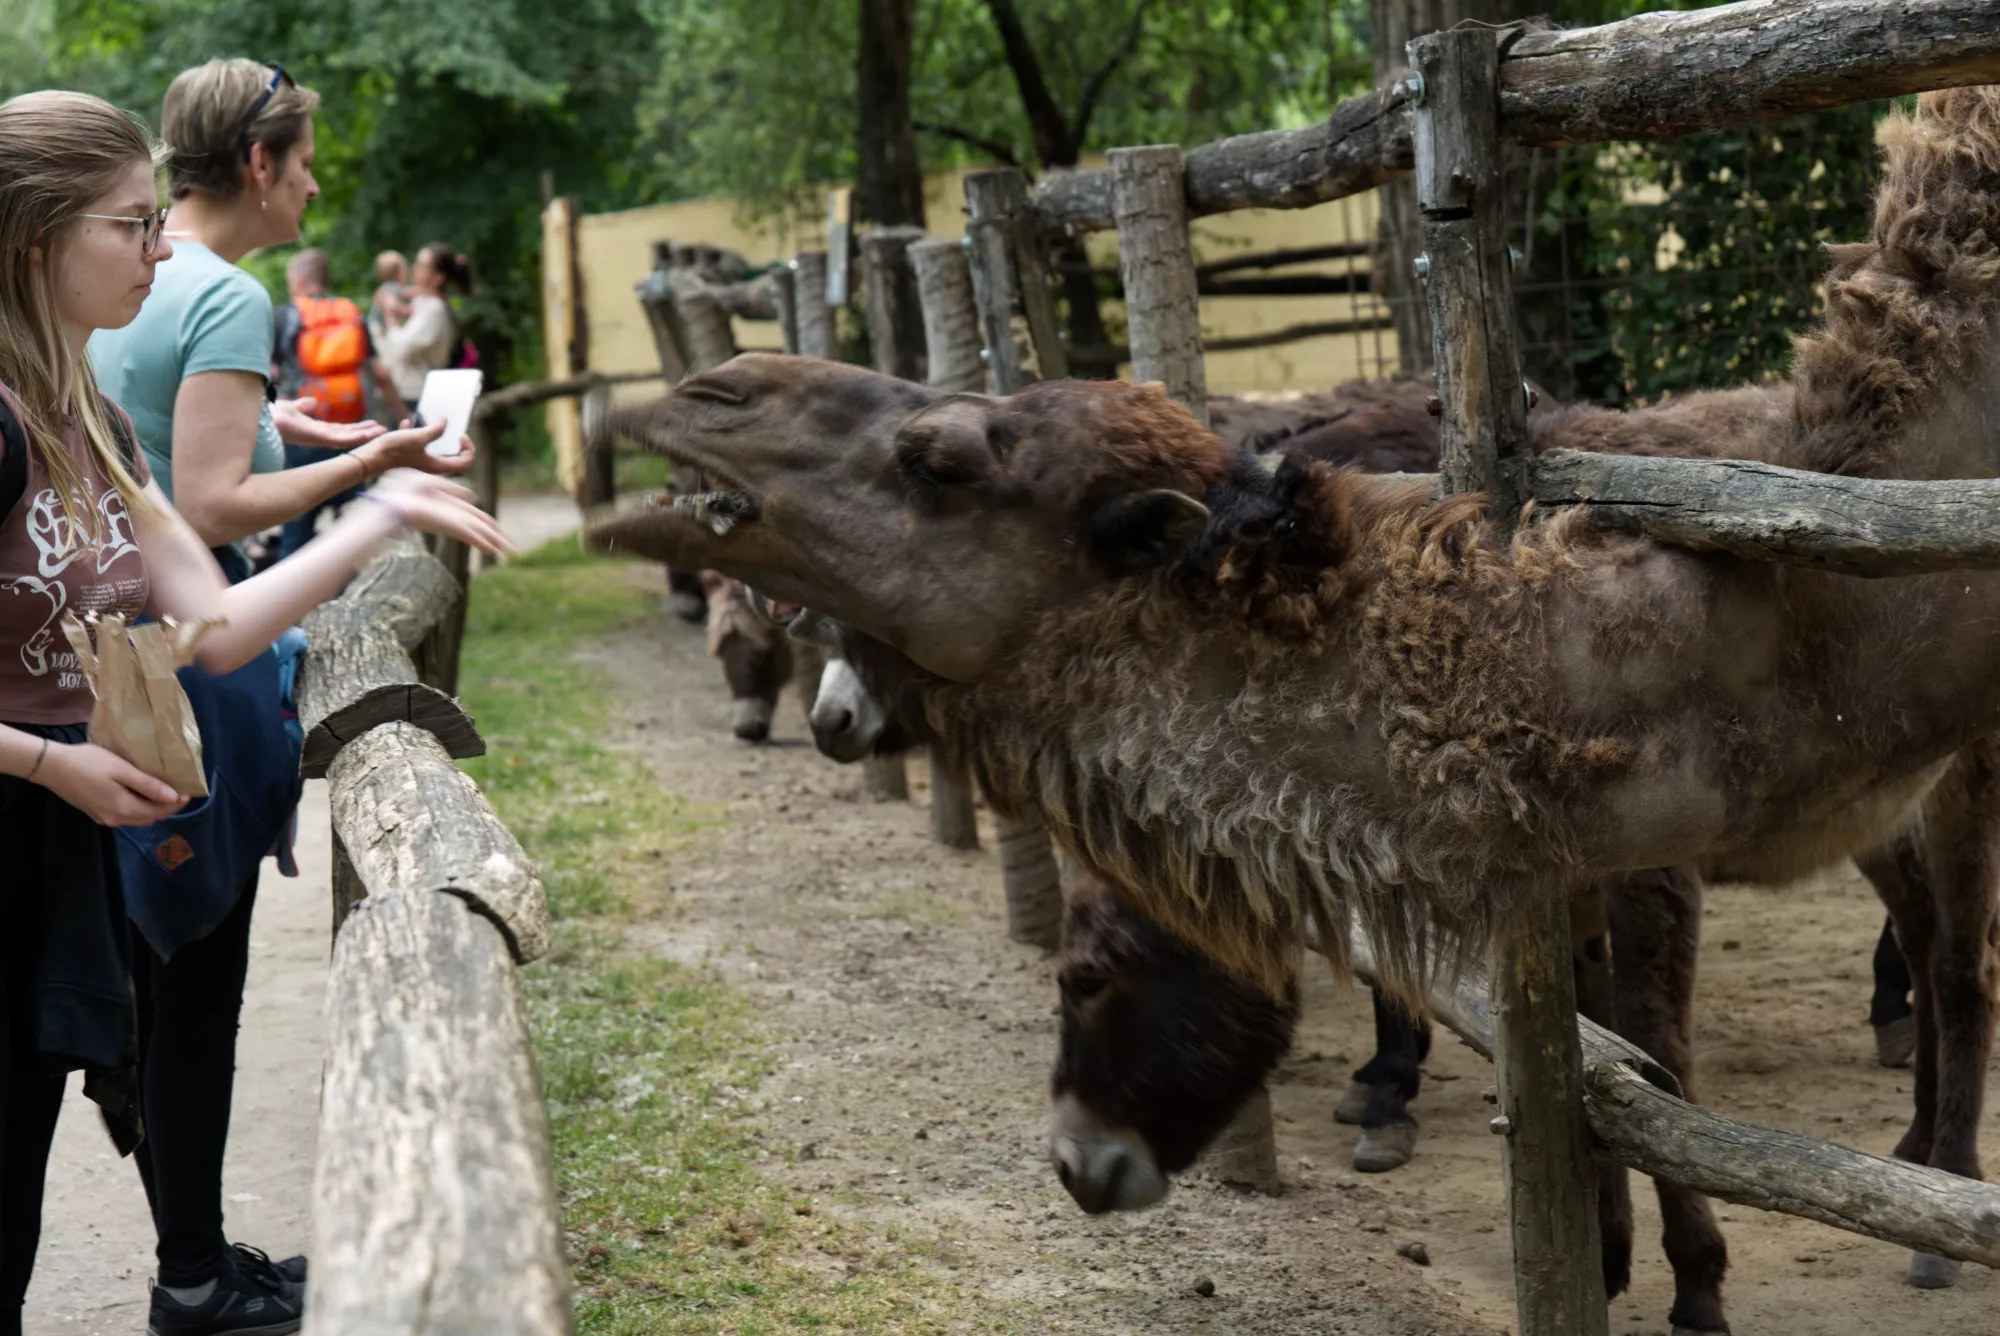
(278, 76)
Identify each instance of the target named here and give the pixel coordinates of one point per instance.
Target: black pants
(31, 1093)
(188, 1013)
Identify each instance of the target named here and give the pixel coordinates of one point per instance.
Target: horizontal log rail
(1651, 77)
(1639, 1120)
(434, 1203)
(526, 393)
(1856, 526)
(1100, 354)
(360, 672)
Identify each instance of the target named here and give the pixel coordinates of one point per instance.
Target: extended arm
(215, 434)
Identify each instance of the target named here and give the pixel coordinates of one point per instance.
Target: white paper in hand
(448, 397)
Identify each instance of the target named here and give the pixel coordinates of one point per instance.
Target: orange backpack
(333, 347)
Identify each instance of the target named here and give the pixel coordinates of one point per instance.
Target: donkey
(757, 658)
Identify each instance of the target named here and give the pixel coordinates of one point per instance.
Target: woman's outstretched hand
(405, 449)
(432, 505)
(297, 425)
(106, 787)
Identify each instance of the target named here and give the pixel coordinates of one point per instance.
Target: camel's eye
(932, 469)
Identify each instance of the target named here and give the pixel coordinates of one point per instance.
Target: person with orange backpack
(324, 357)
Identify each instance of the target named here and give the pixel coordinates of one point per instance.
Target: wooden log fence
(434, 1202)
(1638, 1119)
(1652, 77)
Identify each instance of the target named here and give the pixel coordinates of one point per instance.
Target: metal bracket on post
(1545, 1142)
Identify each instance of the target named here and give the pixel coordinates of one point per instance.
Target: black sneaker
(292, 1269)
(252, 1297)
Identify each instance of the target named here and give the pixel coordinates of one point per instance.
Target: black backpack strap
(13, 460)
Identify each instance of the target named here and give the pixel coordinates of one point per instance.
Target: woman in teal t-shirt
(191, 372)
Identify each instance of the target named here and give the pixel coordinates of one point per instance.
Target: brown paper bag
(142, 714)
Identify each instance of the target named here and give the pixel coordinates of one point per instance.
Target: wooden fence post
(1156, 262)
(951, 321)
(817, 337)
(1163, 313)
(600, 460)
(895, 320)
(1545, 1146)
(1010, 282)
(711, 340)
(785, 278)
(951, 358)
(1017, 322)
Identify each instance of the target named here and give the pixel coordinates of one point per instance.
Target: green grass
(650, 1068)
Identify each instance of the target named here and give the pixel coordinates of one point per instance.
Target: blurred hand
(432, 505)
(404, 449)
(106, 787)
(297, 425)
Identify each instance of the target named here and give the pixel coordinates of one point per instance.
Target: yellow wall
(615, 252)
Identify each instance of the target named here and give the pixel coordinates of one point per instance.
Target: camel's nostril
(845, 723)
(1063, 1173)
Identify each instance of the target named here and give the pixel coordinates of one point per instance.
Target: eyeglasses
(149, 226)
(278, 76)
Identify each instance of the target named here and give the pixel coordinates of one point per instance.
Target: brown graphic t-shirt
(46, 571)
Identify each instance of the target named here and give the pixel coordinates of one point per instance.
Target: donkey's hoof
(1381, 1149)
(1928, 1271)
(1896, 1042)
(1353, 1104)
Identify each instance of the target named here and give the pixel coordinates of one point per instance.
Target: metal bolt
(965, 242)
(1422, 264)
(985, 356)
(1413, 89)
(1503, 1126)
(1515, 256)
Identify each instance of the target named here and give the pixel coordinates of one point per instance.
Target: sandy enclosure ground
(916, 1041)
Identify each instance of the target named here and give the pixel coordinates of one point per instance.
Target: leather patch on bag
(172, 852)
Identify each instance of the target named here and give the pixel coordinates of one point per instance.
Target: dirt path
(915, 1044)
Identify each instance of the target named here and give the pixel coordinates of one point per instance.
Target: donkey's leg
(1596, 997)
(1379, 1099)
(1889, 1009)
(1655, 938)
(1900, 874)
(1909, 877)
(1961, 835)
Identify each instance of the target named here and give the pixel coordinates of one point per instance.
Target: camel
(1255, 698)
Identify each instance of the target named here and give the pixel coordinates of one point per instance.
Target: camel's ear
(1144, 529)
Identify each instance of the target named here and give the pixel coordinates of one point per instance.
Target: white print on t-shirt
(57, 547)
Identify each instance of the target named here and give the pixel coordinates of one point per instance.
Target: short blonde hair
(208, 124)
(390, 263)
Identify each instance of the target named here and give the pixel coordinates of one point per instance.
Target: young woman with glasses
(86, 527)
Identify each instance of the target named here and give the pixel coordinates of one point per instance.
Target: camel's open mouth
(719, 509)
(783, 615)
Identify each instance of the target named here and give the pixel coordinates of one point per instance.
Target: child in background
(391, 304)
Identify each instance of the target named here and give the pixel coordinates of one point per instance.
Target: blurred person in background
(324, 359)
(428, 338)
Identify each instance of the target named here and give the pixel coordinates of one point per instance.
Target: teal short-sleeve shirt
(203, 314)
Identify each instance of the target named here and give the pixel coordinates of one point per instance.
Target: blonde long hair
(59, 152)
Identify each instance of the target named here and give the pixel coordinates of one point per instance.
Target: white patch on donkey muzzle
(846, 719)
(1104, 1168)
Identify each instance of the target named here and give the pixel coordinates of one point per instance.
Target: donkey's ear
(1144, 529)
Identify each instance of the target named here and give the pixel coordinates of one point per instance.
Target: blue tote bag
(182, 874)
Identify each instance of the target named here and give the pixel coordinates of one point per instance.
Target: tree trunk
(890, 188)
